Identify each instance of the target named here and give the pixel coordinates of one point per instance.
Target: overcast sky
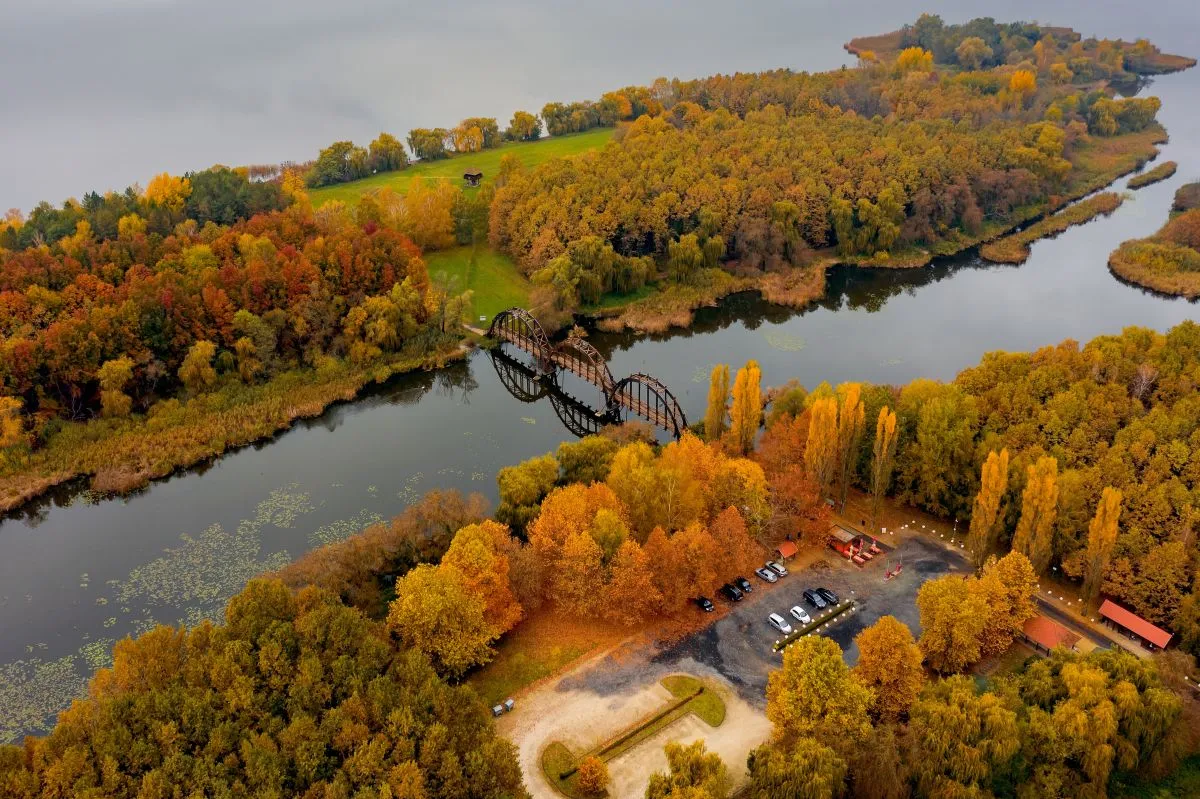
(97, 94)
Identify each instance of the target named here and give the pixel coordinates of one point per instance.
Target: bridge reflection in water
(639, 394)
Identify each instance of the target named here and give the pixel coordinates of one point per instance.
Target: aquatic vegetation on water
(33, 691)
(344, 528)
(785, 342)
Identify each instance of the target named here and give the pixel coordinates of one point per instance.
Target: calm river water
(77, 574)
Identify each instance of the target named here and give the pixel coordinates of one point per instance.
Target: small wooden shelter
(473, 176)
(1046, 635)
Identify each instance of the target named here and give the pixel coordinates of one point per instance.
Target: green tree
(196, 372)
(806, 770)
(1034, 536)
(522, 488)
(386, 154)
(114, 376)
(718, 403)
(746, 411)
(986, 510)
(694, 773)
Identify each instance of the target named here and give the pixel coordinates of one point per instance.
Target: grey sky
(97, 94)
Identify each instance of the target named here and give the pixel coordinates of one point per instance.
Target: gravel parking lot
(740, 646)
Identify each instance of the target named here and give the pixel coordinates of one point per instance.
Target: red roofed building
(1048, 634)
(1129, 622)
(785, 550)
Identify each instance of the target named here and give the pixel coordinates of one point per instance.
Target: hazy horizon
(106, 93)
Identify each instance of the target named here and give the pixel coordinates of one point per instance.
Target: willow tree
(883, 460)
(1039, 508)
(718, 403)
(746, 414)
(820, 451)
(850, 431)
(986, 510)
(1102, 538)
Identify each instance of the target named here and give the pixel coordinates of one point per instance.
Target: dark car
(814, 599)
(743, 584)
(828, 596)
(732, 592)
(705, 604)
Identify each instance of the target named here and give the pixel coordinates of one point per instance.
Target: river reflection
(78, 572)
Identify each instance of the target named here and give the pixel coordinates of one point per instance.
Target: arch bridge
(638, 394)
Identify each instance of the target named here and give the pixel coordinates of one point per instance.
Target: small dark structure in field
(472, 177)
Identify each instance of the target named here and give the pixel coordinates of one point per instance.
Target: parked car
(705, 604)
(780, 623)
(814, 599)
(731, 592)
(828, 596)
(743, 583)
(766, 574)
(800, 615)
(777, 568)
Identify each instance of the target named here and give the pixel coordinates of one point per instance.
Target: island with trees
(1169, 261)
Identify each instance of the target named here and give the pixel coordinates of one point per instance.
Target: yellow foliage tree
(986, 509)
(813, 695)
(952, 618)
(1022, 85)
(435, 613)
(821, 449)
(1102, 538)
(168, 191)
(914, 59)
(1034, 536)
(1007, 588)
(12, 427)
(592, 776)
(718, 403)
(889, 664)
(114, 375)
(849, 435)
(746, 414)
(882, 461)
(130, 226)
(196, 371)
(477, 554)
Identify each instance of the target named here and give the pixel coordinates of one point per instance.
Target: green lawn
(494, 278)
(530, 153)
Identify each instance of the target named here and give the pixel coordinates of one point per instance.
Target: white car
(800, 615)
(777, 568)
(779, 623)
(766, 574)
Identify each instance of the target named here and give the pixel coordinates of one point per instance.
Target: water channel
(79, 572)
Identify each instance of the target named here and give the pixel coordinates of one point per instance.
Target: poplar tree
(883, 460)
(718, 403)
(1039, 508)
(1102, 538)
(984, 513)
(850, 430)
(746, 415)
(820, 451)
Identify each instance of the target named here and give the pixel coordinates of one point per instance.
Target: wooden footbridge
(639, 394)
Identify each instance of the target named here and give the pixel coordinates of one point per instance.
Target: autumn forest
(151, 329)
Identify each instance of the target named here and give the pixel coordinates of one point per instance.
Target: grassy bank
(488, 161)
(492, 276)
(1160, 172)
(121, 455)
(1014, 248)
